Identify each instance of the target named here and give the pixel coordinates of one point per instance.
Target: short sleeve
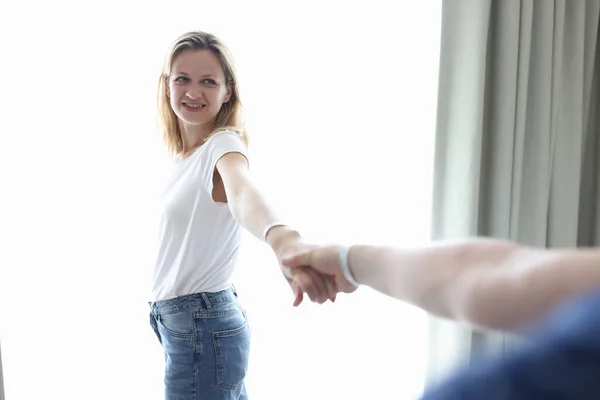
(217, 146)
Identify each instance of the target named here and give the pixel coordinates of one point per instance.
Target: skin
(197, 90)
(489, 283)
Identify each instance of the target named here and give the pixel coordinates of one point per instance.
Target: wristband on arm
(346, 266)
(269, 227)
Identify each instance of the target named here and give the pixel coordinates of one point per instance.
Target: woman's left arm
(251, 210)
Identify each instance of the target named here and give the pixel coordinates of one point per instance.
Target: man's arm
(490, 283)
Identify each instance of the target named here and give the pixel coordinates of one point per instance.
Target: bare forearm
(252, 211)
(490, 283)
(531, 284)
(436, 278)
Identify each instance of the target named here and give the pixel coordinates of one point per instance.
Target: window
(340, 102)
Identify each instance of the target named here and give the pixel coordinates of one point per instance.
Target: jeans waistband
(204, 300)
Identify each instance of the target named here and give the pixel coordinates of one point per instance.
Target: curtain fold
(517, 149)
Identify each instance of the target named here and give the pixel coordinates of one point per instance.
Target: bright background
(340, 101)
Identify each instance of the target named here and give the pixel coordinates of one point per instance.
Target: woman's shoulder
(229, 132)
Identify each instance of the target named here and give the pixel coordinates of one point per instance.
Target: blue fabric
(562, 361)
(206, 340)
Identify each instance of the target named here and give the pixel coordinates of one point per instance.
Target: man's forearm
(436, 278)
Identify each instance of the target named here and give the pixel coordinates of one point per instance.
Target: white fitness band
(346, 266)
(269, 227)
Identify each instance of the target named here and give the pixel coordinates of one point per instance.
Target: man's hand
(302, 279)
(325, 260)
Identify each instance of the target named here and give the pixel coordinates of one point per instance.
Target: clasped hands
(314, 270)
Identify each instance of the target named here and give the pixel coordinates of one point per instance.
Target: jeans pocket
(178, 324)
(155, 327)
(232, 348)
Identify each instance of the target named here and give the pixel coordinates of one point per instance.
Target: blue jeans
(206, 340)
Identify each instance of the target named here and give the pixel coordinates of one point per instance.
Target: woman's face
(197, 87)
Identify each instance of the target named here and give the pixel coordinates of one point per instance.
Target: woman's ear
(228, 95)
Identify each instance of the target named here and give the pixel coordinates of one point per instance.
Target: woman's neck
(192, 137)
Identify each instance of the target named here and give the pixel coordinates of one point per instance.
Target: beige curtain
(517, 146)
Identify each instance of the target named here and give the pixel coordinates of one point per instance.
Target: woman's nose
(194, 92)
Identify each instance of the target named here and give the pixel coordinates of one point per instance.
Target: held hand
(319, 287)
(325, 260)
(302, 280)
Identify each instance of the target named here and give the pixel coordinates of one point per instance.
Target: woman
(207, 200)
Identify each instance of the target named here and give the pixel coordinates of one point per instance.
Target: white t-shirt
(198, 238)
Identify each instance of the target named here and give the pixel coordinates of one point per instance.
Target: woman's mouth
(193, 106)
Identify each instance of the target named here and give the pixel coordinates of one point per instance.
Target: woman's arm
(251, 210)
(491, 283)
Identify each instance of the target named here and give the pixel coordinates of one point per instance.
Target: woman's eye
(180, 79)
(210, 82)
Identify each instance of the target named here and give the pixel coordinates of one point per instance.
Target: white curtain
(340, 100)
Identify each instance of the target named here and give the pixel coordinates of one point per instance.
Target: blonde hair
(229, 117)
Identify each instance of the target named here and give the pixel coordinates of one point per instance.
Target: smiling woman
(207, 199)
(342, 127)
(198, 88)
